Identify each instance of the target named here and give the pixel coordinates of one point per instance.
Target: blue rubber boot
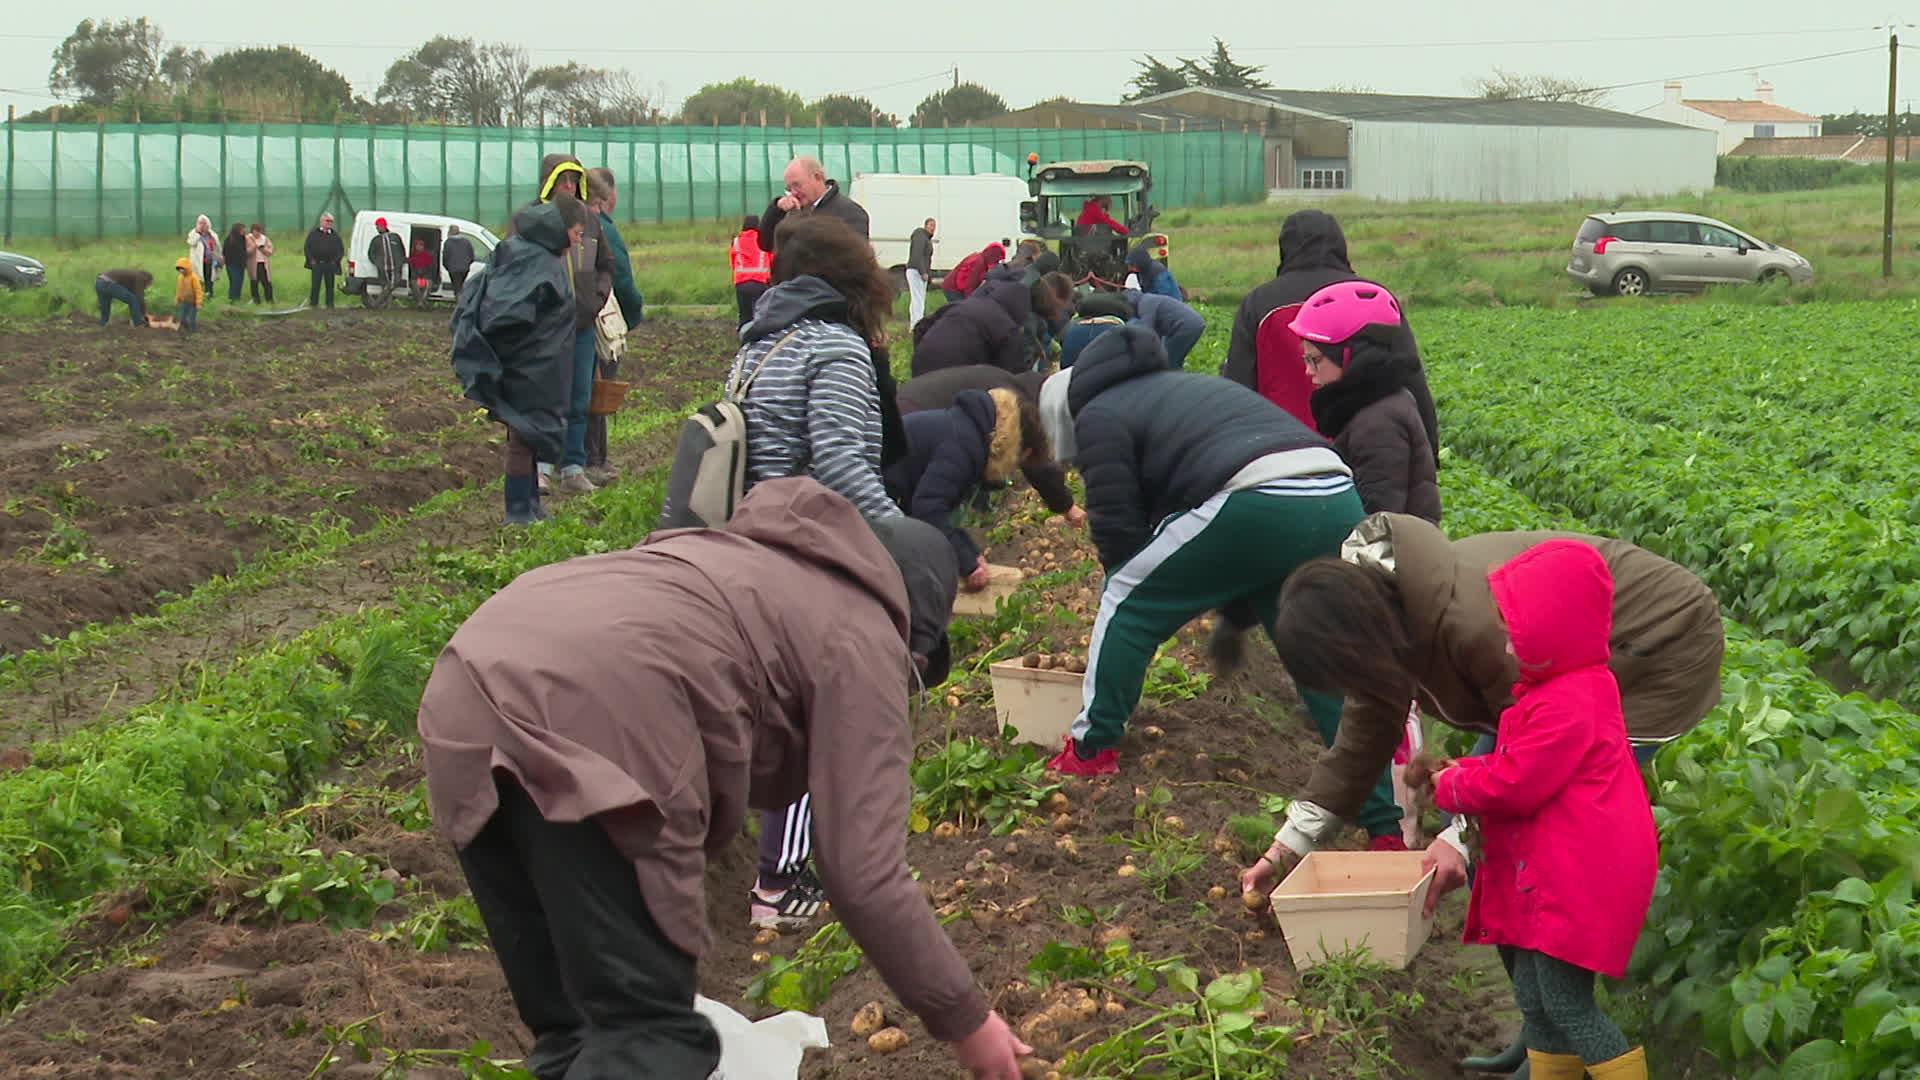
(523, 501)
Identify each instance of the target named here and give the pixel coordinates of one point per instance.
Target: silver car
(1634, 253)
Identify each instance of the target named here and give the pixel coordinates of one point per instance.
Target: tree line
(125, 69)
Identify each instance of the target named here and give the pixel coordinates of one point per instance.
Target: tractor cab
(1096, 255)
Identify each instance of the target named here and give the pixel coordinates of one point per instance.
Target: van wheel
(1630, 282)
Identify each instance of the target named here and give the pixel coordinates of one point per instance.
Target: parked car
(21, 272)
(410, 227)
(1633, 253)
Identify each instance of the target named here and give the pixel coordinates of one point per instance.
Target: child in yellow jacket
(189, 294)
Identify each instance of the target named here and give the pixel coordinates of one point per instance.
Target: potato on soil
(1127, 870)
(1218, 892)
(946, 830)
(887, 1041)
(761, 957)
(1255, 901)
(1041, 1032)
(766, 937)
(1034, 1069)
(1056, 803)
(871, 1018)
(1063, 823)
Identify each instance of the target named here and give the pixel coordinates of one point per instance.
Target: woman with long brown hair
(813, 401)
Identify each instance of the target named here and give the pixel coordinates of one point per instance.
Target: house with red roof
(1735, 120)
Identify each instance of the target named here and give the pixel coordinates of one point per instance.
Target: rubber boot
(1503, 1063)
(1631, 1065)
(1557, 1066)
(523, 501)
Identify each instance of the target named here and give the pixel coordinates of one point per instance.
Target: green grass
(1432, 254)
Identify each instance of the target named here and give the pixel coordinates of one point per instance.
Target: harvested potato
(1034, 1069)
(1056, 803)
(1128, 870)
(1255, 901)
(1063, 823)
(1085, 1009)
(946, 830)
(1175, 822)
(766, 937)
(1040, 1032)
(871, 1018)
(1113, 1008)
(1256, 935)
(1046, 662)
(1153, 731)
(761, 957)
(953, 701)
(1218, 892)
(887, 1041)
(1031, 660)
(1076, 664)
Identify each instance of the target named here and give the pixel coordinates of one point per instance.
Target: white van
(972, 211)
(432, 228)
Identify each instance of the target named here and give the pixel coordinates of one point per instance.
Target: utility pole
(956, 76)
(1893, 84)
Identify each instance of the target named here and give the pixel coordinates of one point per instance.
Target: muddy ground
(218, 996)
(154, 544)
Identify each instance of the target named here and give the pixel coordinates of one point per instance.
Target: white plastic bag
(768, 1050)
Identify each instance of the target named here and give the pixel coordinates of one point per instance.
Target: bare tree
(1505, 85)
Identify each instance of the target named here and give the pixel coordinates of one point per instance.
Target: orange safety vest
(749, 262)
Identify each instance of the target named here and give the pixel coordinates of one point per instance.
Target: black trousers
(606, 995)
(313, 297)
(745, 295)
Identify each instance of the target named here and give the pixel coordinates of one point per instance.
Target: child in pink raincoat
(1569, 851)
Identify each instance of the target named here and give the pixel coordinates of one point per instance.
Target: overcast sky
(897, 53)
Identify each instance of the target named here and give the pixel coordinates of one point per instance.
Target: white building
(1735, 120)
(1401, 147)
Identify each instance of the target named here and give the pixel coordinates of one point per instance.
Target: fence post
(373, 172)
(300, 172)
(406, 163)
(100, 179)
(688, 130)
(478, 143)
(443, 166)
(225, 213)
(179, 177)
(139, 187)
(6, 234)
(632, 179)
(509, 171)
(659, 181)
(53, 171)
(336, 185)
(260, 168)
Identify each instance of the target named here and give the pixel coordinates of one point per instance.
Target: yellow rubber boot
(1557, 1066)
(1631, 1065)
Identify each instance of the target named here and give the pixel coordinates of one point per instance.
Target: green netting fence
(91, 181)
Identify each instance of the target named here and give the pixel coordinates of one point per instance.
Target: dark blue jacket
(513, 332)
(946, 455)
(1152, 443)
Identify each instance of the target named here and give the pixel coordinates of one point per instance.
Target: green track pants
(1235, 546)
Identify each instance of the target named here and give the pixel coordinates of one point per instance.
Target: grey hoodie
(814, 410)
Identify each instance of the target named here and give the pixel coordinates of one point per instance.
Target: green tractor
(1097, 255)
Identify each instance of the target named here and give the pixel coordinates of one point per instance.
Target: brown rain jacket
(757, 662)
(1667, 643)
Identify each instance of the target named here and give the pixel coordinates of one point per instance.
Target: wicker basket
(608, 394)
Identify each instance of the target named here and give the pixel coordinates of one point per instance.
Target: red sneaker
(1069, 762)
(1386, 843)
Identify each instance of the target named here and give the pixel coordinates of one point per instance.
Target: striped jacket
(814, 409)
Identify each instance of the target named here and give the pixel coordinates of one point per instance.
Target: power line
(1111, 50)
(1455, 103)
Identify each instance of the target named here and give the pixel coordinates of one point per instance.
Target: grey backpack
(710, 465)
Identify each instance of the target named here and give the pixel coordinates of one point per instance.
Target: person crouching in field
(127, 286)
(1201, 496)
(979, 439)
(1559, 907)
(768, 657)
(513, 333)
(188, 295)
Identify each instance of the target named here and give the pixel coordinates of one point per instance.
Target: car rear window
(1590, 230)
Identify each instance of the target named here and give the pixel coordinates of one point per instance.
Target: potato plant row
(1783, 927)
(1777, 463)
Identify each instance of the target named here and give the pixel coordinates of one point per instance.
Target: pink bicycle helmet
(1343, 309)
